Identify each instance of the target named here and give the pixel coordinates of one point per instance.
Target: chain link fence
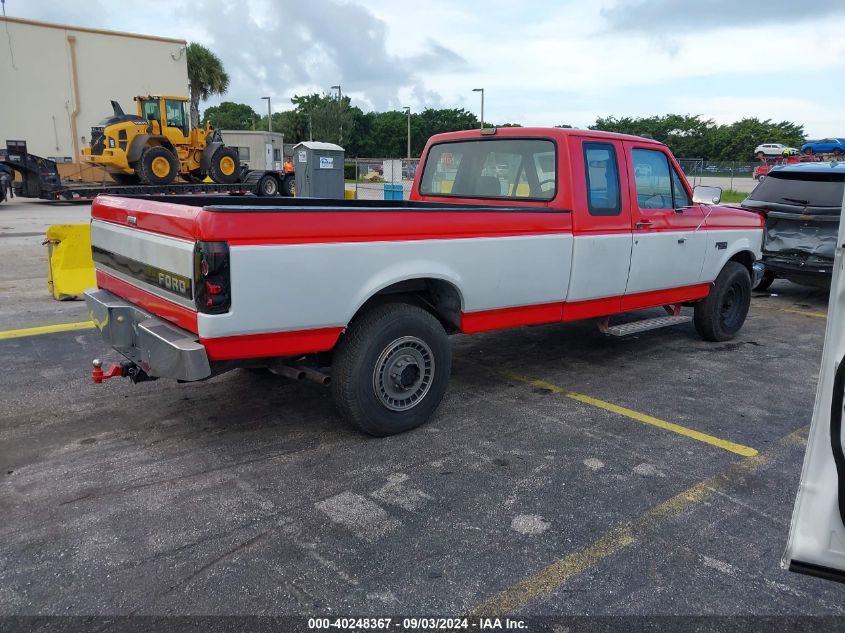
(736, 175)
(380, 178)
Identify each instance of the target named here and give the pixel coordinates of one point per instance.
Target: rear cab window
(602, 173)
(511, 168)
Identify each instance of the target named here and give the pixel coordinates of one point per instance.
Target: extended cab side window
(495, 168)
(602, 172)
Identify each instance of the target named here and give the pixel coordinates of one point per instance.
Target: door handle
(643, 224)
(681, 240)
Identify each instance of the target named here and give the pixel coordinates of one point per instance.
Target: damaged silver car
(802, 204)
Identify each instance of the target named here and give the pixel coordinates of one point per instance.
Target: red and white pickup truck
(504, 228)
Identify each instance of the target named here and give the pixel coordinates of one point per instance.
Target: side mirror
(703, 194)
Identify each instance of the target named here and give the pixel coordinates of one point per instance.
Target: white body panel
(817, 534)
(599, 266)
(308, 286)
(737, 240)
(666, 259)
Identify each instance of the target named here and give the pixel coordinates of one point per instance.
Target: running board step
(635, 327)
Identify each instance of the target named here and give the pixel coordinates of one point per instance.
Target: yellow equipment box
(70, 265)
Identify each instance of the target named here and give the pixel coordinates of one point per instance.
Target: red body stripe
(486, 320)
(173, 312)
(272, 344)
(501, 318)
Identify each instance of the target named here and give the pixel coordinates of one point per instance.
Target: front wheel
(391, 369)
(720, 315)
(224, 166)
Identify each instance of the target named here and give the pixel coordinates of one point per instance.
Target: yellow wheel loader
(158, 144)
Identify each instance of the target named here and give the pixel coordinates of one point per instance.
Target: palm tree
(206, 77)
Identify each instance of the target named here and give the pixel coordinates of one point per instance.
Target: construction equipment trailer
(38, 177)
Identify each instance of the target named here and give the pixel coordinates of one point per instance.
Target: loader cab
(169, 116)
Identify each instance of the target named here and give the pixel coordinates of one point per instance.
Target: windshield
(803, 189)
(495, 168)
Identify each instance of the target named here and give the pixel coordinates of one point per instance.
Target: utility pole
(269, 115)
(340, 110)
(310, 128)
(408, 110)
(481, 90)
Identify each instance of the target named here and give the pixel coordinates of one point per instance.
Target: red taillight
(211, 276)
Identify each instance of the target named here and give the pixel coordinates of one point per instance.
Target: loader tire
(224, 166)
(157, 166)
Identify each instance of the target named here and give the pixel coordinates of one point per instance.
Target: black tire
(393, 336)
(268, 185)
(289, 186)
(148, 170)
(721, 314)
(125, 180)
(809, 151)
(766, 280)
(224, 166)
(837, 151)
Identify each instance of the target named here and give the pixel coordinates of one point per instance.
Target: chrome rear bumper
(159, 348)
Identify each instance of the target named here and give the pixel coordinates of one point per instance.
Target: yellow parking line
(45, 329)
(559, 572)
(739, 449)
(818, 315)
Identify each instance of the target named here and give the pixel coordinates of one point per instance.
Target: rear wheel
(809, 151)
(289, 186)
(268, 185)
(721, 314)
(391, 369)
(224, 166)
(157, 166)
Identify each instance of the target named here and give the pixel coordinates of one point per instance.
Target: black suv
(802, 204)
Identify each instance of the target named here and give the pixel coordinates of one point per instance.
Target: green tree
(206, 77)
(231, 116)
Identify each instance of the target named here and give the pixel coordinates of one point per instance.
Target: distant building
(258, 149)
(56, 81)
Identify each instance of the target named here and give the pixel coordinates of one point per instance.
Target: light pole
(270, 116)
(408, 110)
(340, 110)
(481, 90)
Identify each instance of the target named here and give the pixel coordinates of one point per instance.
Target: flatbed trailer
(39, 178)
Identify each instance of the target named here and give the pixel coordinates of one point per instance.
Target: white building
(258, 149)
(56, 81)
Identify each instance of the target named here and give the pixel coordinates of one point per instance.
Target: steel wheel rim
(731, 305)
(269, 187)
(404, 373)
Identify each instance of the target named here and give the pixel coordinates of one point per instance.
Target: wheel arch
(746, 258)
(140, 143)
(439, 295)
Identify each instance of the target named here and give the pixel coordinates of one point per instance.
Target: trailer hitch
(123, 369)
